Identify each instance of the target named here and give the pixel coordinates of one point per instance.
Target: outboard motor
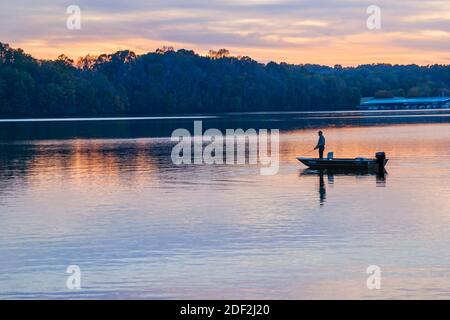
(381, 158)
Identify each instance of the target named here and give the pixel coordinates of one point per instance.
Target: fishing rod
(304, 154)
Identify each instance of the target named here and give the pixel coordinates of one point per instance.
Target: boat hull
(357, 164)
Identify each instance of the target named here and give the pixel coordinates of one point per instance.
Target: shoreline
(225, 115)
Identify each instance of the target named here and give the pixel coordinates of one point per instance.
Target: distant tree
(2, 97)
(165, 49)
(419, 91)
(5, 51)
(86, 63)
(383, 94)
(186, 52)
(246, 59)
(398, 92)
(64, 60)
(169, 81)
(220, 54)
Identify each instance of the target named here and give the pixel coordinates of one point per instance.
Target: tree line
(182, 82)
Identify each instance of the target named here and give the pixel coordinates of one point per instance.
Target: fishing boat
(378, 163)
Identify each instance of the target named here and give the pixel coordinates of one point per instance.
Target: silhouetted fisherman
(321, 144)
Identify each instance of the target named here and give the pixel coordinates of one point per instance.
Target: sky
(325, 32)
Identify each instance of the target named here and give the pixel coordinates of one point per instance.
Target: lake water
(105, 196)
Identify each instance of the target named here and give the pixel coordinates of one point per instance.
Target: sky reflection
(137, 225)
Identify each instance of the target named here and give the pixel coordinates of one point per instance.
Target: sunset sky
(295, 31)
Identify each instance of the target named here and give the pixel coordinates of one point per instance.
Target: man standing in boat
(321, 144)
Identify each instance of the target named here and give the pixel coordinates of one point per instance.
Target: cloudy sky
(296, 31)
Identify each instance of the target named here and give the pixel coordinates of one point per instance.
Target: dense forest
(168, 82)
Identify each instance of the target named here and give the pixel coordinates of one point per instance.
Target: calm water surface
(105, 196)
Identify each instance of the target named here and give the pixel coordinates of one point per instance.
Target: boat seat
(330, 156)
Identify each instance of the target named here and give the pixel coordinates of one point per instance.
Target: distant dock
(400, 103)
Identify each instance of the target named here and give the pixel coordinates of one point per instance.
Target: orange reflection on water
(93, 158)
(123, 205)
